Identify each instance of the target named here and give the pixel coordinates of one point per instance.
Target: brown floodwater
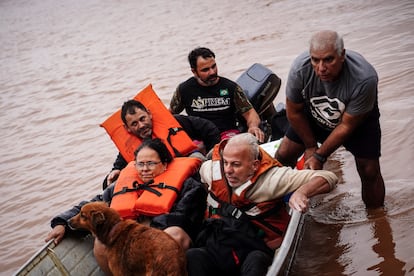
(65, 66)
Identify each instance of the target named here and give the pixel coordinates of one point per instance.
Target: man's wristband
(319, 157)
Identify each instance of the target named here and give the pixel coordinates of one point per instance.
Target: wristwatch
(319, 157)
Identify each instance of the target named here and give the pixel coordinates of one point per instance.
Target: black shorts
(365, 142)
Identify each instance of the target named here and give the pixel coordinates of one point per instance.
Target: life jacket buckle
(173, 130)
(236, 213)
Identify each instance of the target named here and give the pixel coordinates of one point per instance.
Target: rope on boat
(57, 262)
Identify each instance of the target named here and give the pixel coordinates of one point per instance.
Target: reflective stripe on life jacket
(269, 216)
(165, 127)
(133, 198)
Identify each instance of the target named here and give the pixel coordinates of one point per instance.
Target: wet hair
(323, 39)
(197, 52)
(129, 108)
(157, 145)
(247, 139)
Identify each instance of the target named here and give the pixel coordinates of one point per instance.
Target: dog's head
(93, 216)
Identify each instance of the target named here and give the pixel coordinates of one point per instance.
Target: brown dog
(132, 248)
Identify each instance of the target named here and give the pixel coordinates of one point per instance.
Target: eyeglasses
(149, 164)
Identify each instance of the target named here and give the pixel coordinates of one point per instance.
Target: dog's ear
(98, 218)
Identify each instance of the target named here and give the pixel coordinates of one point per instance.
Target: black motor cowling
(261, 87)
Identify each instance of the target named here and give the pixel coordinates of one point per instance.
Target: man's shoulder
(301, 67)
(231, 86)
(301, 61)
(188, 83)
(190, 80)
(358, 66)
(227, 82)
(205, 171)
(355, 56)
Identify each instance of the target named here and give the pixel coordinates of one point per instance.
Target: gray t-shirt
(354, 92)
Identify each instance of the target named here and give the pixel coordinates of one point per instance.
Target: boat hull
(72, 256)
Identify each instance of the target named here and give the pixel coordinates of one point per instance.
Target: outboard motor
(261, 87)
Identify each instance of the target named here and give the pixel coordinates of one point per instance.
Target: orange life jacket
(165, 127)
(133, 198)
(269, 216)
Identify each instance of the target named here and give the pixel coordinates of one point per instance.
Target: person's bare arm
(299, 122)
(253, 124)
(301, 197)
(112, 176)
(337, 137)
(176, 105)
(56, 233)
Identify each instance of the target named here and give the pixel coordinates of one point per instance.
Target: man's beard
(210, 81)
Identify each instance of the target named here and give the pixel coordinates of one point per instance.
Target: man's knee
(368, 169)
(288, 152)
(256, 263)
(373, 188)
(179, 235)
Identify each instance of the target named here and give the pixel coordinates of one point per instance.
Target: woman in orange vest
(161, 191)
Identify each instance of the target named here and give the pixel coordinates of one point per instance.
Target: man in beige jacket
(247, 215)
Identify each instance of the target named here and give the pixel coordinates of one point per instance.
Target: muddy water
(66, 65)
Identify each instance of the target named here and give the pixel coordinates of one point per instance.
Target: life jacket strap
(161, 185)
(147, 186)
(125, 190)
(174, 131)
(228, 210)
(225, 209)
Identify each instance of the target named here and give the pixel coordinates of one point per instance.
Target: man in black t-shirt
(215, 98)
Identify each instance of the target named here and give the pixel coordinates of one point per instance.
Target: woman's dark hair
(157, 145)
